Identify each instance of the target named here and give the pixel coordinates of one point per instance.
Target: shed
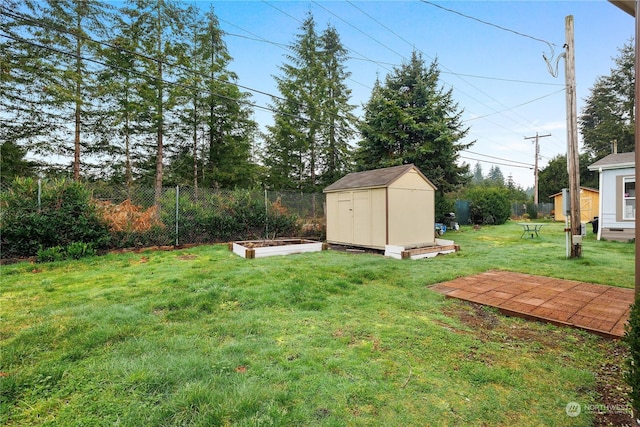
(589, 202)
(376, 208)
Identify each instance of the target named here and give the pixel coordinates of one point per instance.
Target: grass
(204, 337)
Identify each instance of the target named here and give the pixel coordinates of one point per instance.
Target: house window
(629, 199)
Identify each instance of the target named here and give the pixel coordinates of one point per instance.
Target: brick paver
(596, 308)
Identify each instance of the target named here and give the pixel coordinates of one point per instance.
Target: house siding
(613, 227)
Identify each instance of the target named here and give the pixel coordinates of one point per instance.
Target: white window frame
(628, 201)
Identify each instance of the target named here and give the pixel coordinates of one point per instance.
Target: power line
(515, 106)
(489, 23)
(149, 58)
(525, 122)
(159, 79)
(495, 163)
(498, 158)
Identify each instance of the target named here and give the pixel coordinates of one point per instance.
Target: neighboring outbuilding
(617, 208)
(376, 208)
(589, 205)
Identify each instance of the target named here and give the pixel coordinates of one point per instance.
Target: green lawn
(204, 337)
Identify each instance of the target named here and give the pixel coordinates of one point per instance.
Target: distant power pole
(572, 141)
(535, 167)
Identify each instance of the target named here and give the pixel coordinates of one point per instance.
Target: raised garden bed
(439, 247)
(263, 248)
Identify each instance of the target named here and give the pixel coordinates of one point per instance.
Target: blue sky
(498, 77)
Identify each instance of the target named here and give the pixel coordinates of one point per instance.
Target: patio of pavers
(596, 308)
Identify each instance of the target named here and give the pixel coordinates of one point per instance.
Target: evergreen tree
(162, 43)
(292, 141)
(336, 111)
(26, 118)
(13, 162)
(122, 118)
(554, 176)
(608, 114)
(60, 33)
(495, 176)
(478, 177)
(307, 146)
(410, 119)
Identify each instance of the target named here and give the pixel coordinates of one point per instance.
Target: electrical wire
(498, 158)
(515, 106)
(489, 23)
(458, 75)
(496, 163)
(158, 79)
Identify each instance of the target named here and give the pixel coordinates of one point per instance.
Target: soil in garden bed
(271, 243)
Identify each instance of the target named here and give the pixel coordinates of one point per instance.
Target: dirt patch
(615, 409)
(612, 406)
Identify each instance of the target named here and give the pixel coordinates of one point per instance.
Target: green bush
(66, 214)
(632, 339)
(51, 254)
(77, 250)
(489, 205)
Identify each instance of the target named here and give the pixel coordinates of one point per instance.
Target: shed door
(362, 217)
(345, 218)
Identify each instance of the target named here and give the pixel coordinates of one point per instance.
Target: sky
(490, 53)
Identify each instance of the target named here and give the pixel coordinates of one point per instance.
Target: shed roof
(615, 161)
(376, 178)
(593, 190)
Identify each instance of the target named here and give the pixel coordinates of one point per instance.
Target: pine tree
(409, 119)
(609, 114)
(292, 142)
(215, 110)
(121, 120)
(478, 177)
(495, 176)
(60, 34)
(162, 41)
(337, 113)
(307, 146)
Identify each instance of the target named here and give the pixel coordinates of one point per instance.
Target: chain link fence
(138, 217)
(185, 215)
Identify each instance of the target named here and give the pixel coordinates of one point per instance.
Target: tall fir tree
(291, 151)
(215, 111)
(162, 44)
(478, 177)
(122, 119)
(61, 34)
(410, 119)
(337, 114)
(307, 146)
(609, 113)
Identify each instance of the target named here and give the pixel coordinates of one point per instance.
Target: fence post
(39, 195)
(177, 210)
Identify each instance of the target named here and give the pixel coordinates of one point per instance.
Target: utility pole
(572, 141)
(535, 167)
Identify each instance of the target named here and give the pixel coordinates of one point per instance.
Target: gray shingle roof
(614, 161)
(373, 179)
